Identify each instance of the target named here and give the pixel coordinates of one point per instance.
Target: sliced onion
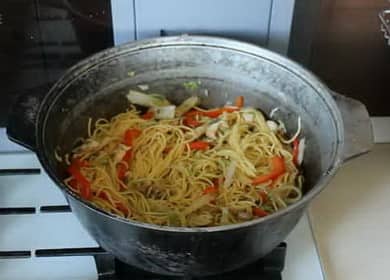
(230, 173)
(187, 105)
(143, 87)
(296, 133)
(164, 112)
(301, 150)
(273, 111)
(273, 125)
(243, 215)
(212, 130)
(147, 100)
(199, 131)
(120, 152)
(282, 127)
(225, 216)
(90, 145)
(198, 203)
(248, 116)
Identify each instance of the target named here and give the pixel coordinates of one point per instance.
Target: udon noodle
(187, 166)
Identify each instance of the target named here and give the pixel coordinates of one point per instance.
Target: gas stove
(40, 238)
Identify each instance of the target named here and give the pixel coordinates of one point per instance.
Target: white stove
(35, 221)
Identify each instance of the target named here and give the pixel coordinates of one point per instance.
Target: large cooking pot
(336, 129)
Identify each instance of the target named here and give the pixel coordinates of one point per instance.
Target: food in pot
(187, 166)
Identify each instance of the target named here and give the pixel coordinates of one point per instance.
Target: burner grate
(21, 171)
(268, 268)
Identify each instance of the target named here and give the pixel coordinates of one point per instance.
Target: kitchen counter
(351, 219)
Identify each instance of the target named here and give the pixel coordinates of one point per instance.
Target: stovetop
(41, 239)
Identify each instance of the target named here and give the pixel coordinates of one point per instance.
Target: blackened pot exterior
(197, 253)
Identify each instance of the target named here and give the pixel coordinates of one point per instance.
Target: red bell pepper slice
(130, 135)
(214, 113)
(210, 190)
(278, 168)
(73, 184)
(192, 113)
(258, 212)
(263, 195)
(191, 121)
(121, 207)
(239, 102)
(128, 156)
(199, 145)
(121, 168)
(217, 112)
(83, 184)
(148, 115)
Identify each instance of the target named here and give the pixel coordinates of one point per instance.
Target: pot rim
(201, 41)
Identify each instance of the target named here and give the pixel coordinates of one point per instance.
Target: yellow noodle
(165, 180)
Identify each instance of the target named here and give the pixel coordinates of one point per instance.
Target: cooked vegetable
(231, 169)
(147, 100)
(82, 183)
(278, 168)
(191, 121)
(259, 212)
(224, 216)
(301, 151)
(191, 85)
(143, 87)
(248, 116)
(123, 168)
(164, 112)
(263, 195)
(273, 112)
(295, 151)
(243, 215)
(296, 134)
(120, 152)
(200, 131)
(199, 145)
(272, 125)
(212, 129)
(130, 135)
(239, 102)
(187, 105)
(199, 203)
(148, 115)
(210, 190)
(217, 112)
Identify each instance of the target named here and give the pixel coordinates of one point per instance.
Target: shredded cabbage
(147, 100)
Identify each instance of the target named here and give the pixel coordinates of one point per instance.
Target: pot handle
(21, 125)
(358, 132)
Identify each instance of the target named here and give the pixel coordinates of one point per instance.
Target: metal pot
(336, 129)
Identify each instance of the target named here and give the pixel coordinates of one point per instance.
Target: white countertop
(351, 219)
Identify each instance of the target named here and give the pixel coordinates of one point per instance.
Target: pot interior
(96, 88)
